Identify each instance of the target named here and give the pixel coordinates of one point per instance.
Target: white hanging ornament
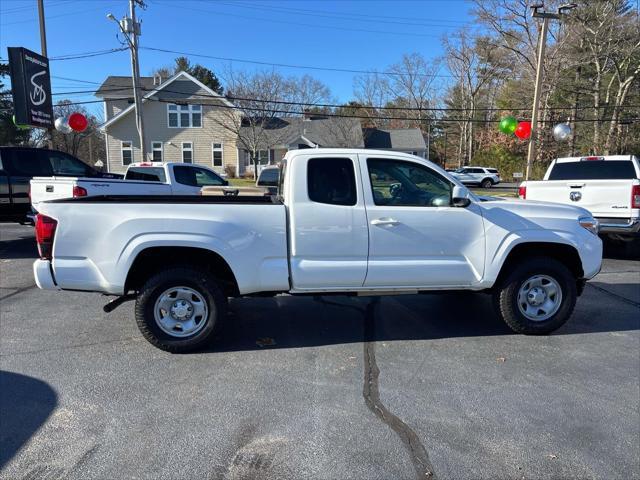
(562, 132)
(62, 125)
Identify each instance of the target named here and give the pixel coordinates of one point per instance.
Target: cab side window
(27, 163)
(185, 176)
(331, 181)
(63, 164)
(406, 184)
(206, 178)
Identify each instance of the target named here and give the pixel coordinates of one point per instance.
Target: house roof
(315, 132)
(117, 87)
(197, 90)
(410, 139)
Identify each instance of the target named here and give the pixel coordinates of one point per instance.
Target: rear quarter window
(331, 181)
(146, 174)
(594, 170)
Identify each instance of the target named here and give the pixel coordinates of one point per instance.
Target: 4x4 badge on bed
(575, 196)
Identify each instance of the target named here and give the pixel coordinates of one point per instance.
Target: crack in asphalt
(371, 393)
(615, 295)
(20, 290)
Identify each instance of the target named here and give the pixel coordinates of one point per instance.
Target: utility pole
(542, 46)
(130, 28)
(43, 51)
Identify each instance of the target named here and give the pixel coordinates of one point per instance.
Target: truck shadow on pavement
(294, 322)
(25, 405)
(23, 247)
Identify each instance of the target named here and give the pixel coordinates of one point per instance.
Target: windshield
(460, 170)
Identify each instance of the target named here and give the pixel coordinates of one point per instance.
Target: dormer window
(184, 116)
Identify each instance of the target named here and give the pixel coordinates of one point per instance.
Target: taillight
(522, 191)
(45, 231)
(592, 158)
(635, 196)
(79, 191)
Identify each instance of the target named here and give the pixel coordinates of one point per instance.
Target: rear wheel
(486, 183)
(178, 310)
(537, 297)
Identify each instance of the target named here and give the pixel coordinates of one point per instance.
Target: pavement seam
(371, 392)
(20, 290)
(615, 295)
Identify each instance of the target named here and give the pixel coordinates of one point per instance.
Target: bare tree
(474, 64)
(257, 107)
(88, 145)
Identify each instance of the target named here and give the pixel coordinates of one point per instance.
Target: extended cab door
(416, 237)
(328, 223)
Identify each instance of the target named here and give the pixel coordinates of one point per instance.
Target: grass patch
(242, 182)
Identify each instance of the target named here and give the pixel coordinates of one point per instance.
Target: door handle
(385, 221)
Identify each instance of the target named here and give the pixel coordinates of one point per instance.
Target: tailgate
(603, 198)
(51, 188)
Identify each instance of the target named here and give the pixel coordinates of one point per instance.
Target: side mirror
(460, 196)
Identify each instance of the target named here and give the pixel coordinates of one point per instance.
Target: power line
(88, 54)
(289, 65)
(116, 88)
(299, 24)
(343, 16)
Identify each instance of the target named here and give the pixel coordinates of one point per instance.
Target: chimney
(157, 80)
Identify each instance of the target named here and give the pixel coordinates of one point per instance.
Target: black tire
(199, 280)
(506, 296)
(486, 183)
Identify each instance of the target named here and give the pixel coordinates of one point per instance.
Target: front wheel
(178, 310)
(486, 183)
(537, 297)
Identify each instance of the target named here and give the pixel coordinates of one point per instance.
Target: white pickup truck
(146, 178)
(359, 222)
(607, 186)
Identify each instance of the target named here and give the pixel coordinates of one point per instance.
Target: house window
(187, 152)
(263, 157)
(216, 154)
(184, 116)
(127, 152)
(156, 149)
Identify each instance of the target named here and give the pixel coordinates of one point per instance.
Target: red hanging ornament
(523, 130)
(78, 122)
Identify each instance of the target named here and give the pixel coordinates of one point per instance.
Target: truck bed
(98, 239)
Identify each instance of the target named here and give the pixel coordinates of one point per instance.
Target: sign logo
(31, 88)
(575, 196)
(38, 95)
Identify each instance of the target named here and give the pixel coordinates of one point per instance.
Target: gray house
(408, 140)
(292, 133)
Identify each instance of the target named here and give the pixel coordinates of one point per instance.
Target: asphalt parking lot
(429, 386)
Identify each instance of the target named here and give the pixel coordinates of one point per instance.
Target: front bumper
(44, 275)
(619, 225)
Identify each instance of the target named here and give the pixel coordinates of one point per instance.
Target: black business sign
(31, 88)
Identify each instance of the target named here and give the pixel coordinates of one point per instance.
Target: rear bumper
(619, 225)
(44, 275)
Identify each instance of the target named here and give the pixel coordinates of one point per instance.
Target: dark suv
(18, 165)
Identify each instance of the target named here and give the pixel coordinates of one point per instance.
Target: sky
(346, 34)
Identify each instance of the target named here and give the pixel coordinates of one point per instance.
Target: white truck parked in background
(147, 178)
(607, 186)
(360, 222)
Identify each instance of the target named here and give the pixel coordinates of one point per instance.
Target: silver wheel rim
(539, 298)
(180, 312)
